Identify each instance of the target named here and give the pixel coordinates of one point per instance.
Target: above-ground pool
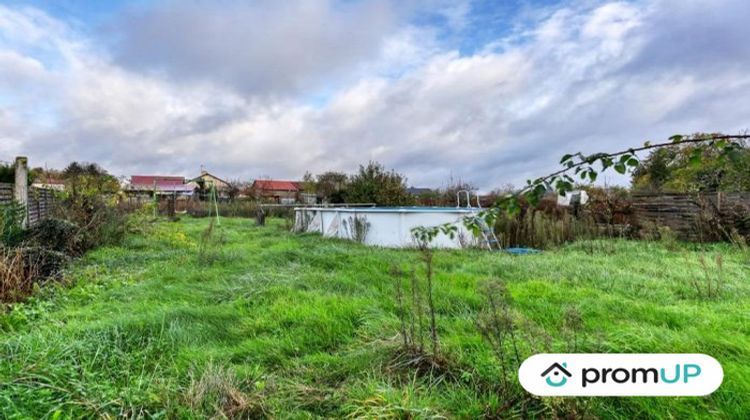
(385, 226)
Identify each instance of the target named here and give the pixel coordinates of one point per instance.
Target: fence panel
(682, 212)
(40, 204)
(6, 193)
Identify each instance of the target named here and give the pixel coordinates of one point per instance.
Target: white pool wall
(388, 227)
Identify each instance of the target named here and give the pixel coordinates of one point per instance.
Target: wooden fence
(6, 193)
(39, 205)
(39, 202)
(685, 212)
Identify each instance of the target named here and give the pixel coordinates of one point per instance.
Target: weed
(357, 228)
(14, 280)
(537, 229)
(573, 324)
(497, 326)
(22, 269)
(218, 393)
(209, 245)
(427, 257)
(710, 284)
(417, 312)
(399, 289)
(412, 316)
(668, 238)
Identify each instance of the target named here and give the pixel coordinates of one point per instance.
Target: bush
(11, 228)
(43, 263)
(101, 222)
(22, 268)
(56, 235)
(539, 229)
(237, 208)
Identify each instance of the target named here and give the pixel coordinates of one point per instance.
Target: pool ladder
(488, 238)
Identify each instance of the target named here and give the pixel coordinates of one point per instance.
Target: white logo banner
(602, 374)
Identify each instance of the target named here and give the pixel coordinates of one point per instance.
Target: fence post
(21, 188)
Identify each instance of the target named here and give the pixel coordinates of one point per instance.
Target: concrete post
(21, 188)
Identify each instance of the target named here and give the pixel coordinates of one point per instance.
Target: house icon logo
(556, 374)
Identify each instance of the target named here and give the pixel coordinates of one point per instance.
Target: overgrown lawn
(261, 322)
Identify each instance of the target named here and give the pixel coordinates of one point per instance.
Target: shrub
(715, 224)
(100, 221)
(56, 235)
(668, 238)
(13, 279)
(539, 229)
(43, 263)
(237, 208)
(22, 268)
(11, 219)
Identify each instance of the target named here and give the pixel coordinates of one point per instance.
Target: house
(277, 191)
(49, 184)
(205, 180)
(159, 185)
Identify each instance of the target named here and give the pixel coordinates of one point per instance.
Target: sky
(489, 92)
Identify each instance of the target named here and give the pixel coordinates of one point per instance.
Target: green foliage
(90, 202)
(7, 173)
(695, 168)
(57, 235)
(22, 269)
(537, 229)
(497, 325)
(710, 283)
(357, 226)
(374, 184)
(11, 223)
(424, 235)
(332, 186)
(84, 180)
(587, 167)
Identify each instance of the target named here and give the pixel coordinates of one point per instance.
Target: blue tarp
(521, 251)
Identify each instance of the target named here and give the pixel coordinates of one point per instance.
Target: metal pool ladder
(488, 238)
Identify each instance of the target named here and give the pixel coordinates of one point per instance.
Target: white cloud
(579, 78)
(264, 47)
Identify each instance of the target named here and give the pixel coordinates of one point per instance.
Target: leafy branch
(589, 167)
(623, 161)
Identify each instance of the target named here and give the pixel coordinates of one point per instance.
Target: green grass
(299, 326)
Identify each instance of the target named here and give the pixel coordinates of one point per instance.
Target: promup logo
(620, 374)
(557, 374)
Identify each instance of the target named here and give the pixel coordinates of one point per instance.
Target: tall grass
(537, 229)
(14, 279)
(303, 326)
(237, 208)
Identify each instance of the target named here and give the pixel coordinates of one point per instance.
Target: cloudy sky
(492, 92)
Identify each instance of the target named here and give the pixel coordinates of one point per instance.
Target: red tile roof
(163, 183)
(275, 185)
